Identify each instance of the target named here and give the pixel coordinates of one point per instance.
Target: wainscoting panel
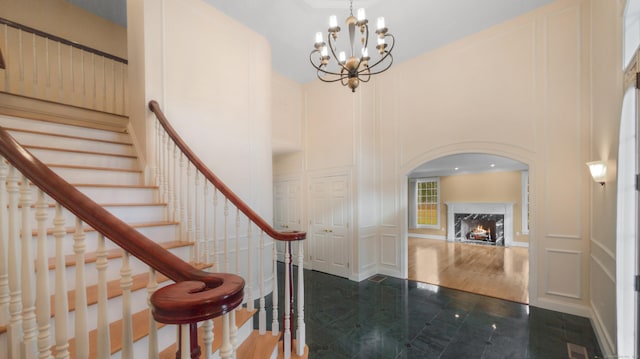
(389, 255)
(563, 273)
(563, 130)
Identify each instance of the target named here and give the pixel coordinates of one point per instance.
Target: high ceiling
(289, 25)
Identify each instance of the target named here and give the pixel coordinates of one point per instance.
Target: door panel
(329, 224)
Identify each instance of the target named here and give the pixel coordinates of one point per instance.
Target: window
(427, 203)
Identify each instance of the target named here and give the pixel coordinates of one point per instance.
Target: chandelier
(355, 68)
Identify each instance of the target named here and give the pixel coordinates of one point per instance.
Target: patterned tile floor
(405, 319)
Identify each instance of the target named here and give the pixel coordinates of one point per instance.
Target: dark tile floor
(405, 319)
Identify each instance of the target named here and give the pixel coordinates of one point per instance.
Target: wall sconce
(598, 171)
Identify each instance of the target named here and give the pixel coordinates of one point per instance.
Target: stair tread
(113, 288)
(91, 257)
(59, 149)
(13, 129)
(258, 346)
(242, 316)
(94, 168)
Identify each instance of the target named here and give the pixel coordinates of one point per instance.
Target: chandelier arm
(385, 69)
(319, 68)
(387, 53)
(365, 76)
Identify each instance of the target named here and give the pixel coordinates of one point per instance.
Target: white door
(329, 214)
(287, 205)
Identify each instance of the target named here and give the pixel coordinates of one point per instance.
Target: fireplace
(484, 223)
(480, 228)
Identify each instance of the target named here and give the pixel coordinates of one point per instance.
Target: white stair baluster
(262, 314)
(104, 340)
(248, 291)
(226, 349)
(14, 330)
(287, 301)
(207, 338)
(226, 235)
(165, 173)
(126, 282)
(61, 302)
(155, 170)
(199, 245)
(175, 216)
(81, 331)
(4, 275)
(190, 237)
(29, 325)
(301, 329)
(214, 254)
(205, 233)
(43, 303)
(181, 188)
(185, 347)
(275, 327)
(152, 286)
(170, 179)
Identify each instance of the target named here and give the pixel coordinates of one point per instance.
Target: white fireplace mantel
(504, 208)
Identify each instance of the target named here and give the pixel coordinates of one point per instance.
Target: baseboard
(519, 244)
(427, 236)
(607, 344)
(368, 272)
(558, 306)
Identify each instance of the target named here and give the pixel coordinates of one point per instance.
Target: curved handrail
(226, 191)
(220, 293)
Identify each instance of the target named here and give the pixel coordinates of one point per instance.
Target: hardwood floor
(493, 271)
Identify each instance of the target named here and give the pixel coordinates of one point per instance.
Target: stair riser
(114, 309)
(129, 214)
(74, 175)
(56, 128)
(35, 139)
(85, 159)
(112, 271)
(120, 195)
(158, 234)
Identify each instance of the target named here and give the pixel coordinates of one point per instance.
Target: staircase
(103, 165)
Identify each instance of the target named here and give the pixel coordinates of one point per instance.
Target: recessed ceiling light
(493, 165)
(455, 169)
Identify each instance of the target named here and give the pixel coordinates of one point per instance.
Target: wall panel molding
(563, 273)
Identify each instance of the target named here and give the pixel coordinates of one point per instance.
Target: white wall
(212, 78)
(521, 90)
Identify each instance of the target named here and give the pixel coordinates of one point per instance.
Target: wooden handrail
(220, 292)
(226, 191)
(61, 40)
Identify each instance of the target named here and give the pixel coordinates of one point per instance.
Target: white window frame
(415, 202)
(525, 202)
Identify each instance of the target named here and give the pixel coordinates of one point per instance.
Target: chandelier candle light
(353, 69)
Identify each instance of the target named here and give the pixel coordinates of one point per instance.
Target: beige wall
(484, 188)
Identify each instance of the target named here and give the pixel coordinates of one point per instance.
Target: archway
(467, 220)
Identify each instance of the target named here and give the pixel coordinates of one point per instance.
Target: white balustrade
(207, 338)
(103, 344)
(43, 304)
(14, 330)
(301, 329)
(4, 269)
(262, 314)
(287, 301)
(81, 330)
(29, 326)
(248, 290)
(152, 286)
(126, 282)
(275, 327)
(61, 303)
(226, 349)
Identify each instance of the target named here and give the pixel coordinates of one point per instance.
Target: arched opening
(627, 214)
(468, 224)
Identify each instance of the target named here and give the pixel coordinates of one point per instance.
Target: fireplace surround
(490, 223)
